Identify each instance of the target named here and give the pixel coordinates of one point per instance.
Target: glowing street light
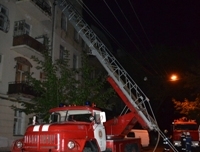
(174, 77)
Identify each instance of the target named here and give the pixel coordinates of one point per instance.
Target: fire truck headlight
(71, 144)
(176, 144)
(196, 144)
(19, 144)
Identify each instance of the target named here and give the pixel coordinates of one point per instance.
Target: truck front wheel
(87, 149)
(91, 146)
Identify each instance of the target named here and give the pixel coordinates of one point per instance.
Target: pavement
(160, 149)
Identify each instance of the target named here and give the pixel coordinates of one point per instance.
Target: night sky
(139, 26)
(142, 22)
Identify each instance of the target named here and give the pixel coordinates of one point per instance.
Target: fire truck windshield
(186, 127)
(82, 117)
(71, 115)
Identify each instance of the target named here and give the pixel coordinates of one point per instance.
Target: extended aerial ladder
(137, 100)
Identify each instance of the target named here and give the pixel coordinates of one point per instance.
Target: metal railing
(20, 88)
(29, 41)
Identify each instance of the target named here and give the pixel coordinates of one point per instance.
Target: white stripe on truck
(44, 127)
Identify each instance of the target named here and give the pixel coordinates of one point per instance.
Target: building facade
(25, 27)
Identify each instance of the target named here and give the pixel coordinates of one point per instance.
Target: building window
(76, 36)
(75, 61)
(22, 66)
(19, 122)
(4, 21)
(21, 72)
(84, 46)
(21, 28)
(64, 22)
(62, 49)
(42, 76)
(3, 10)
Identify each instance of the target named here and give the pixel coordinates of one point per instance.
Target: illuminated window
(22, 66)
(21, 72)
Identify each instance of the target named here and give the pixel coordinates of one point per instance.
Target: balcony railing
(29, 41)
(43, 5)
(38, 9)
(21, 88)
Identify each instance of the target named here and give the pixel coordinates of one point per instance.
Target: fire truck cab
(184, 125)
(82, 115)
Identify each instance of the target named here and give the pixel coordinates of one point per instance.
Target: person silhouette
(188, 142)
(166, 141)
(183, 141)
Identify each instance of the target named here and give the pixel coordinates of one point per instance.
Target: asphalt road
(160, 149)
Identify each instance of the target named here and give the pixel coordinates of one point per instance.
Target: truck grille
(40, 139)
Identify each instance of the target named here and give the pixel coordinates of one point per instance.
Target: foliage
(93, 86)
(61, 86)
(190, 109)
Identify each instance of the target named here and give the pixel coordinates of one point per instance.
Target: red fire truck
(85, 128)
(79, 129)
(183, 125)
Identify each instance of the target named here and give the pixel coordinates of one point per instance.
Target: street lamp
(174, 77)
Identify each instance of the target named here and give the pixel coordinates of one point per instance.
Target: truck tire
(90, 146)
(87, 149)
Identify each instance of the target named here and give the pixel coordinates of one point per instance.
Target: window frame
(75, 61)
(4, 21)
(21, 28)
(21, 69)
(76, 36)
(61, 52)
(19, 122)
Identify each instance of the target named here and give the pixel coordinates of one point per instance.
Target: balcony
(39, 9)
(20, 89)
(28, 46)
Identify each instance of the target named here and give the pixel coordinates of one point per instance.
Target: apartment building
(25, 25)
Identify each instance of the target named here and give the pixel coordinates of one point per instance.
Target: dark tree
(61, 85)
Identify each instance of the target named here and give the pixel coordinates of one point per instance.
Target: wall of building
(38, 26)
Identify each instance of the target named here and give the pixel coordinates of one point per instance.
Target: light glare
(174, 78)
